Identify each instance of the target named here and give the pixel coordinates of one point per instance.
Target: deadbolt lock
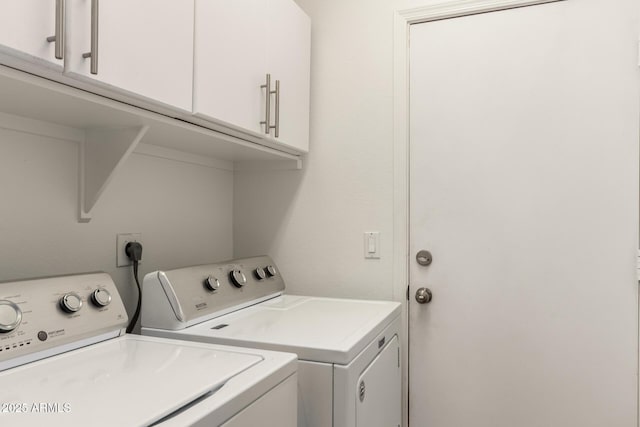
(424, 258)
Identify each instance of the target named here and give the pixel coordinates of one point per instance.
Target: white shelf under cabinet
(112, 130)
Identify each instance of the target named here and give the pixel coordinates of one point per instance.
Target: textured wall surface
(183, 211)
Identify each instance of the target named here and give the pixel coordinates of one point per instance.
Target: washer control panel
(39, 314)
(206, 290)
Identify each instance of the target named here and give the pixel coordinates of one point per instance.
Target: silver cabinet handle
(277, 126)
(95, 9)
(58, 38)
(267, 115)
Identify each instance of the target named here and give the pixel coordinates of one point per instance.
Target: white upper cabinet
(237, 44)
(25, 26)
(236, 69)
(143, 48)
(230, 61)
(289, 62)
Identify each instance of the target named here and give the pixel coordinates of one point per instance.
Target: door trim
(403, 19)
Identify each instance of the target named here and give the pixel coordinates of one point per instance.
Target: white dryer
(66, 361)
(349, 367)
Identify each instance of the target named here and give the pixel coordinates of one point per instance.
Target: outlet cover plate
(122, 260)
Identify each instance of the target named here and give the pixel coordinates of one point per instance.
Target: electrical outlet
(122, 260)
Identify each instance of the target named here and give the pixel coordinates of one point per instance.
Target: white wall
(183, 211)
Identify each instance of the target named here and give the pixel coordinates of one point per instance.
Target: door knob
(424, 295)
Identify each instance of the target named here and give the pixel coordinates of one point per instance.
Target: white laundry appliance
(349, 367)
(66, 361)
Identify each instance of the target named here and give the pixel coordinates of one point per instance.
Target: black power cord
(134, 252)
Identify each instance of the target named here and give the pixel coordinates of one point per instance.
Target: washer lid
(319, 329)
(127, 381)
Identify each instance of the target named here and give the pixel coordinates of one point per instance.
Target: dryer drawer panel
(379, 389)
(378, 365)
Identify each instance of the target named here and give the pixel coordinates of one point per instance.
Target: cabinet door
(289, 61)
(24, 28)
(230, 62)
(145, 47)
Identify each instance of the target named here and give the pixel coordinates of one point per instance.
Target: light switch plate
(372, 244)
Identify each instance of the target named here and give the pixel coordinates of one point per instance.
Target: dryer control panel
(175, 299)
(40, 315)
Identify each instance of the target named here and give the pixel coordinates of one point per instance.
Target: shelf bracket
(102, 154)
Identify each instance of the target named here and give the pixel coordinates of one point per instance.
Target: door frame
(403, 19)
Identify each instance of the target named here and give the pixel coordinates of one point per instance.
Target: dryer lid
(131, 380)
(327, 330)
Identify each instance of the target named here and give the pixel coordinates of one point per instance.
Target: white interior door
(524, 187)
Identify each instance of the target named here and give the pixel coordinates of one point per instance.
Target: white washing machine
(349, 367)
(66, 361)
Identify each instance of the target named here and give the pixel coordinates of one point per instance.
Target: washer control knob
(10, 316)
(71, 302)
(211, 283)
(271, 270)
(238, 279)
(260, 273)
(101, 297)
